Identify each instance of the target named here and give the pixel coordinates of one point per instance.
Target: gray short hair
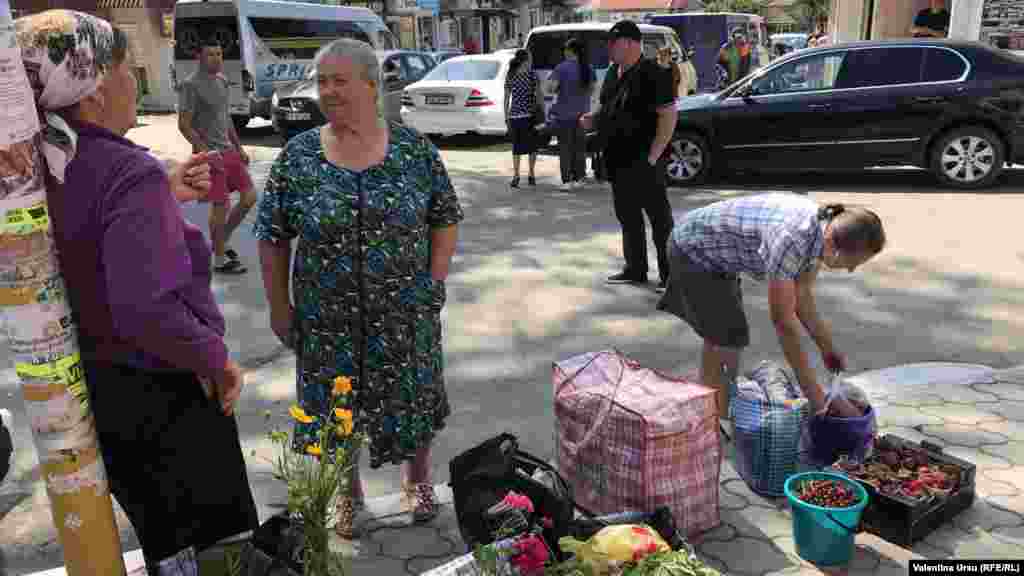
(360, 53)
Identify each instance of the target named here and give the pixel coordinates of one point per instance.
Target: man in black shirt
(636, 118)
(932, 22)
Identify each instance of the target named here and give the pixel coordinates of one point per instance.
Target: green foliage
(810, 12)
(314, 481)
(741, 6)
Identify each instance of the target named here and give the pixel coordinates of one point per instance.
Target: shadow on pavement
(878, 180)
(473, 142)
(527, 289)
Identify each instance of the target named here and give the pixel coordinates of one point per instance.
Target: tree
(741, 6)
(810, 12)
(40, 333)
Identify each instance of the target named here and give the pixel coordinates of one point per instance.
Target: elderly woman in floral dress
(376, 215)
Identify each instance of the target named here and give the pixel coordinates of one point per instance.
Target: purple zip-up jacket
(137, 274)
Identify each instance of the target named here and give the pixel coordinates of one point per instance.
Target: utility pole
(41, 335)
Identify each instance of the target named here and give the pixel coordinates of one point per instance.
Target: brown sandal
(420, 500)
(345, 510)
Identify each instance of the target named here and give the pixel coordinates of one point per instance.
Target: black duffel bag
(482, 476)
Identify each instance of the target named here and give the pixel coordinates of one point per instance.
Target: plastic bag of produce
(769, 413)
(613, 546)
(827, 436)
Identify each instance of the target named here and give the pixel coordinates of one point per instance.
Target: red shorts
(227, 174)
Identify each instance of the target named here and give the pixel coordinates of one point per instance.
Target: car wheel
(240, 123)
(967, 158)
(689, 159)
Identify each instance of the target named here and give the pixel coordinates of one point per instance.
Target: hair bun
(830, 211)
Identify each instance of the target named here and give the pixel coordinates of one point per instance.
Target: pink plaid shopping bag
(631, 439)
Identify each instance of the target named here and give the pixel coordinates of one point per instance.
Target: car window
(417, 68)
(290, 38)
(816, 72)
(546, 48)
(393, 66)
(942, 65)
(456, 70)
(882, 67)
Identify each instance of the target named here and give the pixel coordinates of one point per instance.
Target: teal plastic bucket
(824, 536)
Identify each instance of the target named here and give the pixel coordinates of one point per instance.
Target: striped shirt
(773, 236)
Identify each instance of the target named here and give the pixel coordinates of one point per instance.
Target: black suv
(955, 108)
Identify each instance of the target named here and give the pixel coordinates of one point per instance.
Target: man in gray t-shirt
(205, 121)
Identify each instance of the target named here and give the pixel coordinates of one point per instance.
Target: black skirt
(524, 136)
(173, 459)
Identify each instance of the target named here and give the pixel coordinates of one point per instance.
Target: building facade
(148, 25)
(999, 23)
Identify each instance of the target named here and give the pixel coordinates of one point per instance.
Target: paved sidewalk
(973, 412)
(981, 421)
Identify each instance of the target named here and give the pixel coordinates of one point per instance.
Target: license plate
(439, 99)
(296, 116)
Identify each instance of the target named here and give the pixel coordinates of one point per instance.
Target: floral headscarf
(66, 55)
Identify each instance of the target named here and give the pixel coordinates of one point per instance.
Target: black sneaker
(626, 278)
(662, 287)
(230, 267)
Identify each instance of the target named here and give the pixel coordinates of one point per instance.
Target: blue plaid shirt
(773, 236)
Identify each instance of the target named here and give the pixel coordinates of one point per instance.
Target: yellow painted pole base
(83, 514)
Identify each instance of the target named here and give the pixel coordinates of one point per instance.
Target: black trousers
(638, 187)
(173, 459)
(571, 147)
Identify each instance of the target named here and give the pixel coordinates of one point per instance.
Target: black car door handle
(818, 106)
(929, 99)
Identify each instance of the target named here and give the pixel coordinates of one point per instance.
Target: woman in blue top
(573, 82)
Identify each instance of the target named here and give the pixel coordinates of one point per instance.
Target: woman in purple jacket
(161, 385)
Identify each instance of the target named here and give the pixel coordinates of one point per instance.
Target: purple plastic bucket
(833, 436)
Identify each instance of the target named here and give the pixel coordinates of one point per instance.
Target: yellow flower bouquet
(315, 468)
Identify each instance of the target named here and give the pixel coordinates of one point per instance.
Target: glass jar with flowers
(314, 462)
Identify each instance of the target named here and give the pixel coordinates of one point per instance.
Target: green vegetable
(571, 567)
(675, 563)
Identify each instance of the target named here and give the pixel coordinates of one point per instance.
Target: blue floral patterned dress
(366, 306)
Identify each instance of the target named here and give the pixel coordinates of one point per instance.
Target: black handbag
(275, 549)
(482, 476)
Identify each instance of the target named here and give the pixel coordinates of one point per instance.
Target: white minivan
(267, 44)
(545, 44)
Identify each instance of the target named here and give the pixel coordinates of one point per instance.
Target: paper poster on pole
(18, 121)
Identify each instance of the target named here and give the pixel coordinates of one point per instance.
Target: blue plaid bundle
(769, 413)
